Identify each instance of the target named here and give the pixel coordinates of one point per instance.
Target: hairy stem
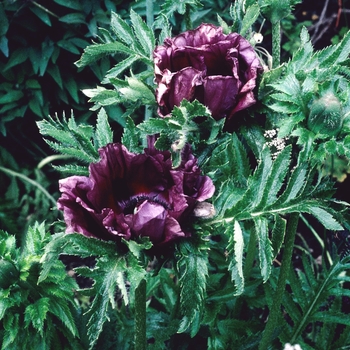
(140, 316)
(276, 44)
(275, 311)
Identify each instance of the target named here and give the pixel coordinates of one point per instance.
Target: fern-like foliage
(77, 141)
(135, 43)
(289, 91)
(316, 303)
(34, 313)
(114, 272)
(192, 267)
(265, 197)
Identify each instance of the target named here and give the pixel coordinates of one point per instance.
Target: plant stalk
(272, 322)
(140, 316)
(276, 44)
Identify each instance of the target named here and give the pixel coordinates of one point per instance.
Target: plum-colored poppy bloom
(130, 195)
(218, 70)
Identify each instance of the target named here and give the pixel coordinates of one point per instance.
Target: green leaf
(104, 133)
(235, 249)
(54, 71)
(74, 140)
(72, 169)
(34, 239)
(131, 136)
(122, 30)
(276, 177)
(95, 52)
(265, 248)
(143, 34)
(40, 13)
(11, 96)
(251, 15)
(110, 274)
(119, 68)
(76, 17)
(72, 4)
(137, 90)
(63, 313)
(323, 216)
(278, 233)
(192, 267)
(35, 314)
(339, 53)
(17, 57)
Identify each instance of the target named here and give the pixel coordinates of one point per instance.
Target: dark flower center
(135, 201)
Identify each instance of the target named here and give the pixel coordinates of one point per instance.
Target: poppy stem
(276, 44)
(275, 312)
(140, 316)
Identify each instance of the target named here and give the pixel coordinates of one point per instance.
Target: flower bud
(325, 116)
(8, 273)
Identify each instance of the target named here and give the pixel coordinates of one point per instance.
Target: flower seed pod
(8, 273)
(325, 116)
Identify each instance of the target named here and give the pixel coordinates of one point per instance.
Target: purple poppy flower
(218, 70)
(131, 195)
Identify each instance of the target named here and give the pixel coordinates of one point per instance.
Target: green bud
(8, 273)
(325, 116)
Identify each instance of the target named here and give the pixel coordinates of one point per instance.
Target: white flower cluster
(275, 143)
(292, 347)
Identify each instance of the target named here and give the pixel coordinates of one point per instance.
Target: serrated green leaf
(51, 253)
(276, 177)
(251, 15)
(103, 96)
(339, 54)
(83, 246)
(137, 90)
(34, 239)
(72, 169)
(110, 275)
(265, 248)
(323, 216)
(35, 314)
(143, 33)
(119, 68)
(278, 233)
(64, 314)
(131, 136)
(104, 134)
(122, 30)
(193, 270)
(95, 52)
(236, 248)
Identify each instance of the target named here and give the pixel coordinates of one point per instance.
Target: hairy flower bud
(325, 116)
(8, 273)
